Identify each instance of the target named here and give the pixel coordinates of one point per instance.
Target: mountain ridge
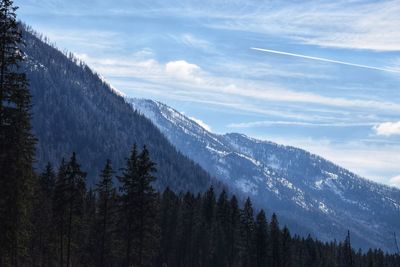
(288, 180)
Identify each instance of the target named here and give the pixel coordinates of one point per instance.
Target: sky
(320, 75)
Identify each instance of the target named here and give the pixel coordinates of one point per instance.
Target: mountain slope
(74, 110)
(307, 191)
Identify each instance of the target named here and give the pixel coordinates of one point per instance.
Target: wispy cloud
(299, 123)
(83, 39)
(181, 74)
(354, 25)
(196, 42)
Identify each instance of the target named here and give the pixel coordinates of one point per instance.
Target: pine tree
(261, 240)
(247, 254)
(168, 224)
(16, 143)
(234, 236)
(59, 210)
(222, 226)
(310, 252)
(186, 231)
(347, 253)
(148, 211)
(275, 241)
(75, 194)
(139, 202)
(42, 238)
(286, 248)
(206, 232)
(89, 240)
(106, 205)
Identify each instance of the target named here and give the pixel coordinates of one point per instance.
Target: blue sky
(196, 57)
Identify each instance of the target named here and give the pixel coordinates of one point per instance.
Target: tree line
(123, 221)
(53, 219)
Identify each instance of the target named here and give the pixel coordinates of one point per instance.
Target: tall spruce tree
(247, 222)
(42, 236)
(168, 224)
(347, 253)
(75, 194)
(261, 240)
(59, 211)
(139, 210)
(222, 226)
(16, 143)
(234, 239)
(105, 222)
(186, 231)
(275, 241)
(286, 248)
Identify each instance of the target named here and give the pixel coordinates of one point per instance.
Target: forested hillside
(76, 111)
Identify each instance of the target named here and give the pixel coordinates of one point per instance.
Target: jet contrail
(324, 60)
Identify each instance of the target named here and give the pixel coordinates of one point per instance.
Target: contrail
(324, 60)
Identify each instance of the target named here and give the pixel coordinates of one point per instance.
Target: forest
(53, 217)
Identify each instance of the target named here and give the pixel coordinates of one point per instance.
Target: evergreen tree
(42, 238)
(139, 212)
(188, 211)
(104, 216)
(89, 239)
(59, 211)
(275, 241)
(310, 252)
(16, 143)
(247, 231)
(261, 240)
(207, 229)
(75, 193)
(347, 253)
(234, 236)
(222, 229)
(168, 224)
(286, 248)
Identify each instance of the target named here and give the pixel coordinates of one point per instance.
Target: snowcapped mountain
(309, 193)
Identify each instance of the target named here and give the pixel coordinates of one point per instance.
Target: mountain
(309, 193)
(75, 110)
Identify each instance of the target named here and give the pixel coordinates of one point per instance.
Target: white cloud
(82, 39)
(387, 128)
(183, 70)
(395, 181)
(201, 123)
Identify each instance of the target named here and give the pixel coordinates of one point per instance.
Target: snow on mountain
(309, 193)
